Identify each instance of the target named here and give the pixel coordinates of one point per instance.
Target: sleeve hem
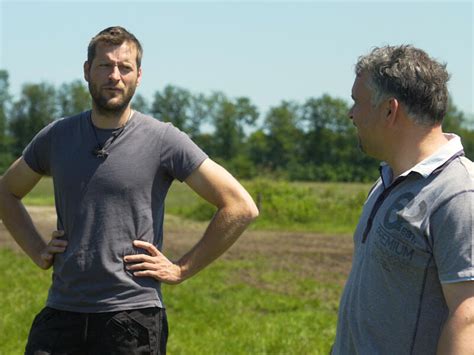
(193, 166)
(460, 277)
(30, 165)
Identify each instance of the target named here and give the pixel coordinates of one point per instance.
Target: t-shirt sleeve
(453, 238)
(180, 156)
(37, 152)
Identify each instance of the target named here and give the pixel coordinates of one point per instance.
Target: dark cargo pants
(139, 331)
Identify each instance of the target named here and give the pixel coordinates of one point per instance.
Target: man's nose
(115, 73)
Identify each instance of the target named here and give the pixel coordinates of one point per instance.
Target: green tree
(73, 98)
(454, 120)
(326, 120)
(4, 100)
(140, 104)
(35, 108)
(199, 111)
(172, 105)
(5, 141)
(331, 143)
(230, 118)
(327, 113)
(284, 137)
(259, 149)
(186, 111)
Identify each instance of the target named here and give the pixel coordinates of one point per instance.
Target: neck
(415, 147)
(111, 120)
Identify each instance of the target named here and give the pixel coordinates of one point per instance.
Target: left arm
(457, 336)
(235, 211)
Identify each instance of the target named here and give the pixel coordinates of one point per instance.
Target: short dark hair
(410, 75)
(115, 35)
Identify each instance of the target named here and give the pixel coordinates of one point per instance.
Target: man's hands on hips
(235, 210)
(55, 246)
(155, 265)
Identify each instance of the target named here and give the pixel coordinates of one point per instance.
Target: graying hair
(412, 77)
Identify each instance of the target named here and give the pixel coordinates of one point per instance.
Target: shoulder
(68, 122)
(467, 167)
(457, 177)
(165, 131)
(150, 122)
(453, 188)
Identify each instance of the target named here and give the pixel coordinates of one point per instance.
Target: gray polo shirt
(103, 204)
(415, 234)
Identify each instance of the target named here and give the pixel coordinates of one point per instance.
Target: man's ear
(86, 70)
(391, 110)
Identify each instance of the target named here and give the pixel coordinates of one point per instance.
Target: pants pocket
(136, 332)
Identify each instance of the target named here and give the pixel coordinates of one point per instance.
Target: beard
(111, 105)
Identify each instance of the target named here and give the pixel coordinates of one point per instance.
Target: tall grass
(318, 207)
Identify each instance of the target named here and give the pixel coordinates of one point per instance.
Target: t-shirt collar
(426, 167)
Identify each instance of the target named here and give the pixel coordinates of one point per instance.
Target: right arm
(18, 180)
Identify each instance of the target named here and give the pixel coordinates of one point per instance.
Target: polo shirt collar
(426, 167)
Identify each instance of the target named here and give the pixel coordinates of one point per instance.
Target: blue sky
(268, 50)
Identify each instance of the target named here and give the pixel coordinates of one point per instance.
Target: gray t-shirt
(415, 234)
(105, 204)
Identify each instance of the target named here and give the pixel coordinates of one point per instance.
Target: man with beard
(111, 169)
(411, 289)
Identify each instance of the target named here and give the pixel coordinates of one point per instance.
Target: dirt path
(317, 256)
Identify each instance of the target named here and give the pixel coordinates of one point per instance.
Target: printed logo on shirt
(396, 242)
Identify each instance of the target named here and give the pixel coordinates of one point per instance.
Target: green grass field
(219, 311)
(216, 312)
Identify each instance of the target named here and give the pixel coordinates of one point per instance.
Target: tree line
(309, 141)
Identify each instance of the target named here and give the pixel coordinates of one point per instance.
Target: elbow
(254, 212)
(241, 208)
(249, 211)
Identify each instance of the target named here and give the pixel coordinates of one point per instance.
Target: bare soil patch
(325, 258)
(44, 219)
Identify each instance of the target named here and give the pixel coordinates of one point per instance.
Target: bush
(319, 207)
